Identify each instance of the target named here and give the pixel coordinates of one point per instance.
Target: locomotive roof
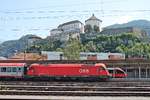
(113, 68)
(58, 64)
(67, 65)
(12, 64)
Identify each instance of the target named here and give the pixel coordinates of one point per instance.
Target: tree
(123, 49)
(72, 49)
(59, 50)
(96, 29)
(91, 47)
(34, 49)
(87, 28)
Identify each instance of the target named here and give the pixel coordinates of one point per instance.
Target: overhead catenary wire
(73, 11)
(102, 11)
(11, 18)
(46, 14)
(31, 9)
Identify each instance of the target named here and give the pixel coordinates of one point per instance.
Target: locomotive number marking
(83, 70)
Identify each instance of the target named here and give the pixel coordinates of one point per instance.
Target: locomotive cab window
(119, 72)
(101, 69)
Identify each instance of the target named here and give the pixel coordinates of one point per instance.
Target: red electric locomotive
(74, 71)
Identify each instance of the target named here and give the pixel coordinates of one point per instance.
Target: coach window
(8, 69)
(14, 69)
(3, 69)
(19, 69)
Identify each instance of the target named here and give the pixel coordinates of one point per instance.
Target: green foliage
(90, 47)
(59, 50)
(96, 29)
(72, 49)
(47, 45)
(34, 48)
(137, 50)
(127, 43)
(87, 28)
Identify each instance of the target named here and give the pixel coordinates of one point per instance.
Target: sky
(21, 17)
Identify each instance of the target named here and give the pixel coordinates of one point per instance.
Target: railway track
(112, 88)
(110, 83)
(72, 88)
(74, 91)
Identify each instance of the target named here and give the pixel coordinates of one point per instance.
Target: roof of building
(27, 56)
(93, 18)
(71, 22)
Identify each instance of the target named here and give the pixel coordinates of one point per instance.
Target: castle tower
(93, 21)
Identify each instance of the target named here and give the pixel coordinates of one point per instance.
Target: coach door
(20, 71)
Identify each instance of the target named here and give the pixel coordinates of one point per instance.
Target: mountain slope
(143, 24)
(8, 48)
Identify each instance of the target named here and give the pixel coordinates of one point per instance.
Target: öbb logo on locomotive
(83, 70)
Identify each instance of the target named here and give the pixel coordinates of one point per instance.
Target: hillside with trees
(127, 43)
(90, 41)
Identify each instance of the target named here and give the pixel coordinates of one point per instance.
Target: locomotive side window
(3, 69)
